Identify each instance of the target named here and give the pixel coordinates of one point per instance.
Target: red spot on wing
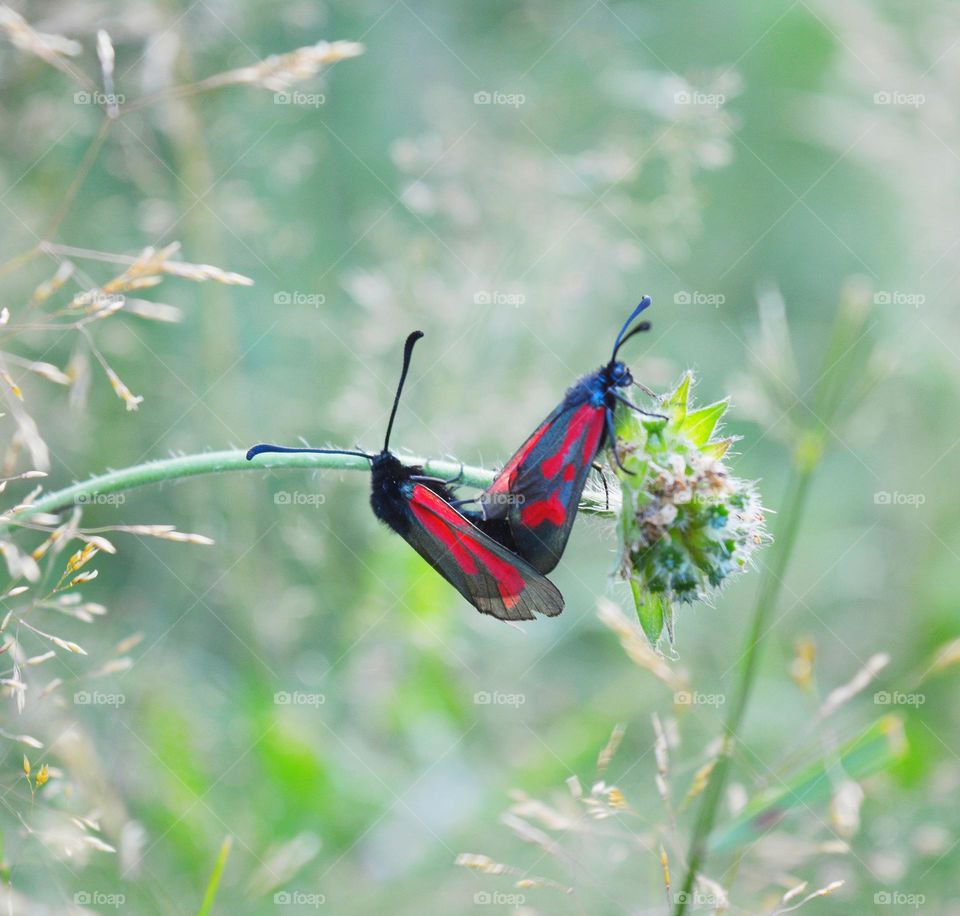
(544, 510)
(505, 478)
(446, 535)
(592, 440)
(461, 539)
(578, 425)
(586, 419)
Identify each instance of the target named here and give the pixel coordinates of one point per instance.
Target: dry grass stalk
(636, 645)
(280, 71)
(860, 681)
(41, 44)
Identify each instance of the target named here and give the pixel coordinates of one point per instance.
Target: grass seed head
(280, 71)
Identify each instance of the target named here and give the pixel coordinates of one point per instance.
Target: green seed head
(687, 525)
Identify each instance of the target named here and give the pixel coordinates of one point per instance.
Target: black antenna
(645, 326)
(267, 447)
(407, 353)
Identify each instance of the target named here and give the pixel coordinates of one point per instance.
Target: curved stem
(219, 462)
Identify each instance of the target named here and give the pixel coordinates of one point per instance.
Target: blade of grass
(206, 907)
(874, 749)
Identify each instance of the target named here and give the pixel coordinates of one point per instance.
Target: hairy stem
(139, 475)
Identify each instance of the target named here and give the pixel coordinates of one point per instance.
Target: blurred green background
(712, 155)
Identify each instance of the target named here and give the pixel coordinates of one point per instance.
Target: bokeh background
(509, 177)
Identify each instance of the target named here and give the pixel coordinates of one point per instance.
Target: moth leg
(646, 413)
(613, 443)
(459, 476)
(603, 480)
(647, 391)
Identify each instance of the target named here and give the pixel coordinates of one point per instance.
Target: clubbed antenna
(407, 353)
(266, 447)
(623, 337)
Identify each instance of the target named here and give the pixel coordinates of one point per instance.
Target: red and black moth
(538, 492)
(421, 509)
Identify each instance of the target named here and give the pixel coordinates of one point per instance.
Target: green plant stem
(206, 906)
(767, 595)
(220, 462)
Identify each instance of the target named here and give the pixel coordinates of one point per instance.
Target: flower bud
(686, 525)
